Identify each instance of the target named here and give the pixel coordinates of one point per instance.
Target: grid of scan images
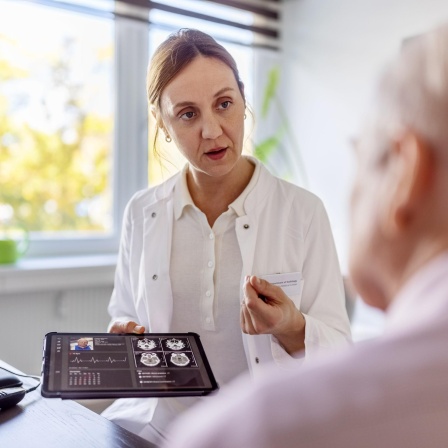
(163, 352)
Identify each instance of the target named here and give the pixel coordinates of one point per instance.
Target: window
(74, 143)
(58, 121)
(56, 137)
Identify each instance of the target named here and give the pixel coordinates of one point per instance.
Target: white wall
(333, 51)
(27, 317)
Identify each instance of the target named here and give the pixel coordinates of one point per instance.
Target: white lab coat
(285, 229)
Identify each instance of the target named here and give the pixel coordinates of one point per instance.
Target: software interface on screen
(125, 362)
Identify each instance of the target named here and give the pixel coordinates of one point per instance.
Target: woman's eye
(224, 105)
(187, 115)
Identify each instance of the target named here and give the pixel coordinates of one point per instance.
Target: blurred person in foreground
(391, 391)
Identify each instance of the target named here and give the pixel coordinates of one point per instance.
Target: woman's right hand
(127, 326)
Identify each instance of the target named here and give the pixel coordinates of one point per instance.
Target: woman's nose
(211, 127)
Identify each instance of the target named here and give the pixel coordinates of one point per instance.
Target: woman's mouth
(217, 153)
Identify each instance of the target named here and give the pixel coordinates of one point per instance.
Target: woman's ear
(153, 110)
(159, 122)
(241, 85)
(154, 113)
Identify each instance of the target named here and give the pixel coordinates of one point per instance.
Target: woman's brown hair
(176, 52)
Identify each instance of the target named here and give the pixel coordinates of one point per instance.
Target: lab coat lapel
(247, 229)
(158, 223)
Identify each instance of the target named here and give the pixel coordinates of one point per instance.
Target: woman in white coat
(223, 248)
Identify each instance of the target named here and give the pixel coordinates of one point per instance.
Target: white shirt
(391, 392)
(205, 270)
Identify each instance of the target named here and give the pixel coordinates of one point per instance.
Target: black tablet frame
(182, 370)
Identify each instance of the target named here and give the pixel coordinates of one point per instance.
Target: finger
(242, 318)
(251, 296)
(127, 327)
(138, 329)
(255, 301)
(247, 323)
(265, 290)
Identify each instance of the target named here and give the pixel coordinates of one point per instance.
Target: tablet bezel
(200, 358)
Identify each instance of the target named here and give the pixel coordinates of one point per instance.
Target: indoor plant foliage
(278, 151)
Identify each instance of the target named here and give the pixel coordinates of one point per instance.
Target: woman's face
(202, 110)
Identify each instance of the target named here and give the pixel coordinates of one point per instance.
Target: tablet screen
(106, 365)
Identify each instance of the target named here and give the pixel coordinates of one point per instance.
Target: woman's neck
(213, 195)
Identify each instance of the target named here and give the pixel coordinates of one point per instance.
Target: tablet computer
(107, 365)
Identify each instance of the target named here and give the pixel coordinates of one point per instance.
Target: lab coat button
(246, 226)
(154, 277)
(210, 264)
(153, 214)
(257, 361)
(211, 236)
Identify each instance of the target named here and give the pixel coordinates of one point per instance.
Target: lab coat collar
(246, 202)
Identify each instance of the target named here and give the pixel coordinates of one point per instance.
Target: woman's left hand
(266, 309)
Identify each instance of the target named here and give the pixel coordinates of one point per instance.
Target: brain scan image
(180, 359)
(175, 344)
(150, 359)
(146, 344)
